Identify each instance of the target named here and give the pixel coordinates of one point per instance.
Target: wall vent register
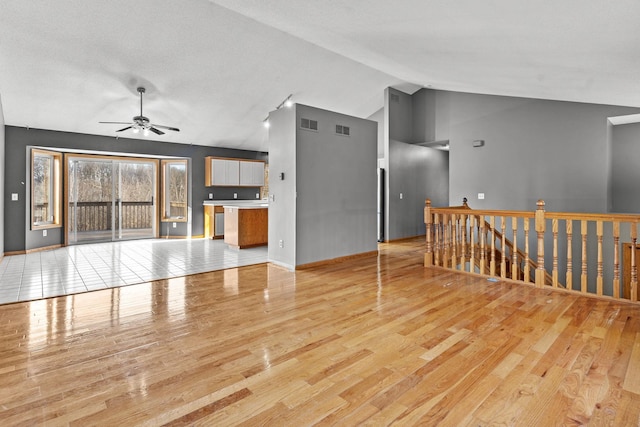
(309, 124)
(343, 130)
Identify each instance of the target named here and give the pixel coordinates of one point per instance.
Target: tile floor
(82, 268)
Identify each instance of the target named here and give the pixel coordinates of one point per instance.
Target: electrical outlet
(480, 196)
(281, 243)
(400, 196)
(175, 225)
(257, 195)
(14, 196)
(44, 233)
(210, 196)
(235, 195)
(272, 197)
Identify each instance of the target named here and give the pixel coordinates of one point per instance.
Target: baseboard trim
(44, 248)
(337, 260)
(405, 238)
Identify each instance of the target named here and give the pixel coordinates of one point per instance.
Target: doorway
(110, 199)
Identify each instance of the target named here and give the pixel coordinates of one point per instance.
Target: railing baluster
(463, 251)
(634, 268)
(616, 259)
(514, 262)
(454, 241)
(438, 238)
(472, 243)
(482, 237)
(554, 227)
(583, 276)
(569, 276)
(446, 221)
(492, 264)
(599, 231)
(527, 277)
(503, 261)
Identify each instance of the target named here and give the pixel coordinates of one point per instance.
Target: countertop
(255, 206)
(237, 203)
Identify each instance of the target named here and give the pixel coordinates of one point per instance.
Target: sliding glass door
(110, 199)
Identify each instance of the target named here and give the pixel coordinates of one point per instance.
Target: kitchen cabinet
(222, 172)
(233, 172)
(246, 226)
(251, 174)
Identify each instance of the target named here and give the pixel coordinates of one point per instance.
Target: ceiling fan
(142, 123)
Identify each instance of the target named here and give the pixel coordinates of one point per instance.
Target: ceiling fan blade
(167, 127)
(156, 131)
(128, 127)
(117, 123)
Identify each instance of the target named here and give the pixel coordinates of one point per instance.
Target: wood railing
(97, 216)
(512, 245)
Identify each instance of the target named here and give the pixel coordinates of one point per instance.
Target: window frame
(55, 189)
(164, 191)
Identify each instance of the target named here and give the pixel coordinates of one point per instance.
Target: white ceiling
(216, 68)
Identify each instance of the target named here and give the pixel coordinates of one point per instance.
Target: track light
(286, 103)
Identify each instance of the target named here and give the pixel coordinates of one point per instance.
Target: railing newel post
(428, 256)
(540, 229)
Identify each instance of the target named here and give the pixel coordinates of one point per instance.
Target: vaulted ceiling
(216, 68)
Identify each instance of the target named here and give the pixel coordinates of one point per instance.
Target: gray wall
(326, 205)
(418, 173)
(378, 117)
(336, 181)
(17, 233)
(415, 171)
(625, 161)
(2, 192)
(534, 149)
(282, 193)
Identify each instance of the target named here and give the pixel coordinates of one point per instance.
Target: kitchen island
(214, 214)
(246, 226)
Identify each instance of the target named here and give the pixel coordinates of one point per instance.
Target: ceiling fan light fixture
(143, 123)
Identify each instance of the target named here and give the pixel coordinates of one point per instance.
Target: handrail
(475, 241)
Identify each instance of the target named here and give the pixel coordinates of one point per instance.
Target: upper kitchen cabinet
(252, 173)
(233, 172)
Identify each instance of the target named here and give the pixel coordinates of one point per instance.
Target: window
(45, 189)
(174, 190)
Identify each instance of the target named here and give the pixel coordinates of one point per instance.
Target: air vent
(343, 130)
(309, 124)
(395, 97)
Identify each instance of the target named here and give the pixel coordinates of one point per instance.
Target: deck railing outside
(97, 216)
(585, 248)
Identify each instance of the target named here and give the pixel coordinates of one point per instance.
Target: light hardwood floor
(371, 341)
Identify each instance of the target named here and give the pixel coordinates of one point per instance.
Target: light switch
(14, 196)
(400, 196)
